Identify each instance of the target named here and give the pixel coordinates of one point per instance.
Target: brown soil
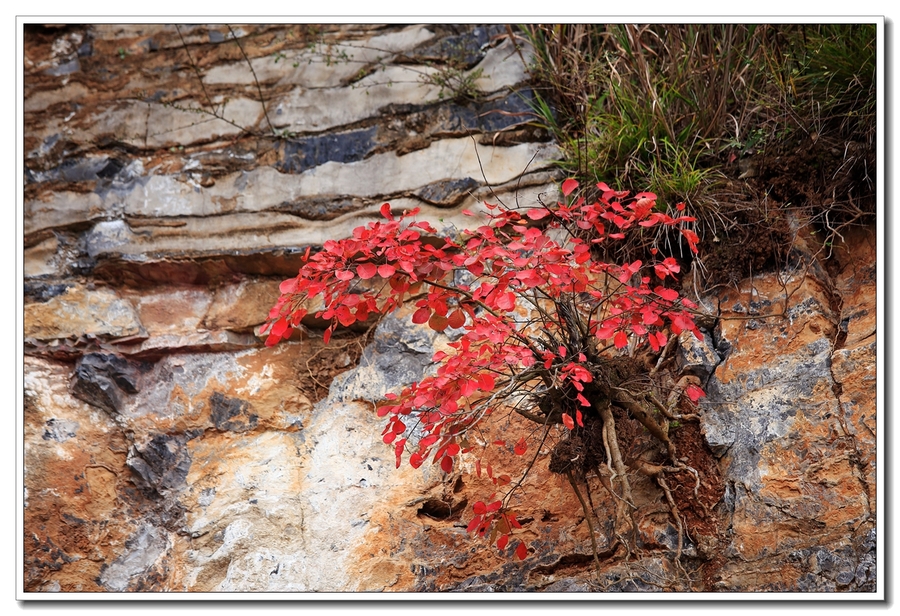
(696, 510)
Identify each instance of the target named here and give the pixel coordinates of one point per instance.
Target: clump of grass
(827, 77)
(825, 92)
(668, 108)
(645, 106)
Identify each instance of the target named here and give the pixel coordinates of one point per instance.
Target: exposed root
(618, 453)
(588, 518)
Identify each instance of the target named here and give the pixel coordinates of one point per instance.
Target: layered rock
(167, 449)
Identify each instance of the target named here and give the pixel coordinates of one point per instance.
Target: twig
(262, 100)
(588, 514)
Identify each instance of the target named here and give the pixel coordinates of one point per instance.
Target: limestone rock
(100, 312)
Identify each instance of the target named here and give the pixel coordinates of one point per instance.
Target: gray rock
(448, 192)
(143, 550)
(399, 354)
(162, 464)
(66, 68)
(60, 430)
(697, 357)
(231, 414)
(105, 381)
(298, 155)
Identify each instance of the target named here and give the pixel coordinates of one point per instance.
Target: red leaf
(691, 238)
(344, 316)
(398, 450)
(569, 186)
(438, 323)
(475, 523)
(512, 520)
(578, 418)
(502, 541)
(506, 301)
(521, 551)
(447, 464)
(476, 267)
(386, 211)
(421, 315)
(344, 275)
(694, 393)
(620, 340)
(288, 286)
(537, 213)
(280, 327)
(366, 270)
(485, 382)
(479, 508)
(567, 421)
(386, 271)
(667, 294)
(521, 447)
(456, 319)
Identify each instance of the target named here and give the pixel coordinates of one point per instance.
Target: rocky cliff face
(167, 449)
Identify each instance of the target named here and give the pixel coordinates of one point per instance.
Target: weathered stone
(399, 354)
(466, 48)
(231, 414)
(322, 208)
(697, 357)
(41, 100)
(273, 231)
(771, 424)
(385, 174)
(100, 312)
(103, 380)
(502, 67)
(298, 155)
(60, 430)
(447, 193)
(76, 492)
(325, 65)
(241, 306)
(42, 291)
(143, 551)
(379, 175)
(155, 125)
(62, 208)
(162, 464)
(168, 310)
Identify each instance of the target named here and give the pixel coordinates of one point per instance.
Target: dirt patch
(819, 172)
(759, 241)
(317, 370)
(697, 510)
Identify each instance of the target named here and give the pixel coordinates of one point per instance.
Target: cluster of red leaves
(485, 286)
